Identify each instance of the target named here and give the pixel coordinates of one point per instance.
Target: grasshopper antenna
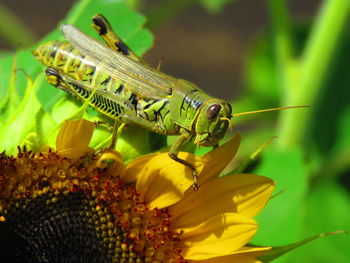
(267, 110)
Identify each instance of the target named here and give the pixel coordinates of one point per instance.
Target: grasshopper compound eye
(213, 111)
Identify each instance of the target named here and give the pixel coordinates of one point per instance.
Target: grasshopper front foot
(195, 184)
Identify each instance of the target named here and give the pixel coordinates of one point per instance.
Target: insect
(119, 84)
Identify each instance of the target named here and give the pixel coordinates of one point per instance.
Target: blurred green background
(257, 54)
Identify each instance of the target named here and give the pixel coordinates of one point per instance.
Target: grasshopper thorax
(212, 122)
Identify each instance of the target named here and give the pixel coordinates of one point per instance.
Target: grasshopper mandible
(119, 84)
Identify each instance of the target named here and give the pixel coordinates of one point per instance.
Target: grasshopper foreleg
(173, 154)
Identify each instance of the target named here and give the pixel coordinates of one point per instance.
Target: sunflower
(78, 205)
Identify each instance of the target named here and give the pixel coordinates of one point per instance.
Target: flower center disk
(56, 210)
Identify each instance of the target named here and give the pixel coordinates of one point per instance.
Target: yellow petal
(219, 235)
(113, 162)
(163, 181)
(241, 193)
(73, 139)
(229, 259)
(134, 167)
(217, 159)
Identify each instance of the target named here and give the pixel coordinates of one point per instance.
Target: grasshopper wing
(139, 78)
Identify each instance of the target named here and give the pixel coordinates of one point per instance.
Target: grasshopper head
(212, 122)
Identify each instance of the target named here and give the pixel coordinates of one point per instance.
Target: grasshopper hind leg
(104, 29)
(55, 78)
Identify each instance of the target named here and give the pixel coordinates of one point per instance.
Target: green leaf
(281, 221)
(6, 62)
(10, 101)
(277, 252)
(133, 142)
(327, 209)
(21, 126)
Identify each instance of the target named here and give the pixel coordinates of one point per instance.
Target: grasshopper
(119, 84)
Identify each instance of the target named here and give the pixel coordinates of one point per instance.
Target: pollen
(52, 207)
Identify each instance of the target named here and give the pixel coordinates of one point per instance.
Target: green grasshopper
(119, 84)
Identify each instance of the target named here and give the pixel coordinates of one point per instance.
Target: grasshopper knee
(53, 76)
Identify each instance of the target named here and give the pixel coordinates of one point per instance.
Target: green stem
(314, 64)
(166, 10)
(280, 20)
(13, 30)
